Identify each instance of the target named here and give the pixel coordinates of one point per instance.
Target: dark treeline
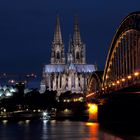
(31, 100)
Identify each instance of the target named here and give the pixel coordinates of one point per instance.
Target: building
(71, 73)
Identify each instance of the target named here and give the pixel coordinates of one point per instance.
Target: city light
(44, 114)
(27, 121)
(118, 82)
(113, 84)
(11, 81)
(89, 94)
(93, 111)
(81, 99)
(66, 110)
(5, 121)
(107, 76)
(92, 108)
(136, 73)
(123, 79)
(129, 76)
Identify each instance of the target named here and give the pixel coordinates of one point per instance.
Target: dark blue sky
(27, 27)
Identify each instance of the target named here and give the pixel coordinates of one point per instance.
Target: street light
(136, 73)
(123, 80)
(118, 82)
(129, 76)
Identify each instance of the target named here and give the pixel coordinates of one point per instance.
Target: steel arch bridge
(94, 83)
(122, 68)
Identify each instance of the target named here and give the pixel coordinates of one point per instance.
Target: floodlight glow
(129, 77)
(136, 73)
(45, 113)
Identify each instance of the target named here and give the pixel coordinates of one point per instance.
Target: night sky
(27, 27)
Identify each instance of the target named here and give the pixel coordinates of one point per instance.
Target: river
(58, 130)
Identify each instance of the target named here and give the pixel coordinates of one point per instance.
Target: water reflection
(95, 133)
(44, 130)
(57, 130)
(93, 130)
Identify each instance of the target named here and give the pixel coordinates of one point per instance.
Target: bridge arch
(94, 83)
(122, 66)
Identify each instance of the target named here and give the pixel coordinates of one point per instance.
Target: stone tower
(57, 52)
(76, 52)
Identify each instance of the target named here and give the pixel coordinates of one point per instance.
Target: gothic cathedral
(69, 74)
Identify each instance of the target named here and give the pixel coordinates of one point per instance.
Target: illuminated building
(69, 74)
(7, 91)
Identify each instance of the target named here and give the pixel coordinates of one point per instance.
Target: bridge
(117, 90)
(122, 68)
(94, 84)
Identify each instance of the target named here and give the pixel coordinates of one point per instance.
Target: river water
(58, 130)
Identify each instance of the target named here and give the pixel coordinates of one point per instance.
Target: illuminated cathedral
(69, 73)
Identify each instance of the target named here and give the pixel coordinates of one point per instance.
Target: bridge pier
(123, 108)
(93, 112)
(118, 113)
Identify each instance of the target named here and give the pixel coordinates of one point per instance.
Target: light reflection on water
(44, 130)
(55, 130)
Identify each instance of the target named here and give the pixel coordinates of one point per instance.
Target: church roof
(81, 68)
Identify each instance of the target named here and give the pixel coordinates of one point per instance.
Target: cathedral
(67, 72)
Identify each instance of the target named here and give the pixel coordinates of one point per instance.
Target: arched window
(58, 55)
(77, 55)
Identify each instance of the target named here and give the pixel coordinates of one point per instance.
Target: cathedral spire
(77, 46)
(57, 33)
(76, 35)
(57, 54)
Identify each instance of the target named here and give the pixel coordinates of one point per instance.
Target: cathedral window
(77, 55)
(58, 55)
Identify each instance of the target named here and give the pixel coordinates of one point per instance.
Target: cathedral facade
(69, 73)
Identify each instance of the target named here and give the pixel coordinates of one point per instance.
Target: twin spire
(76, 51)
(58, 35)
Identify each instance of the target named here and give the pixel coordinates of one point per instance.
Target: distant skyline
(27, 28)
